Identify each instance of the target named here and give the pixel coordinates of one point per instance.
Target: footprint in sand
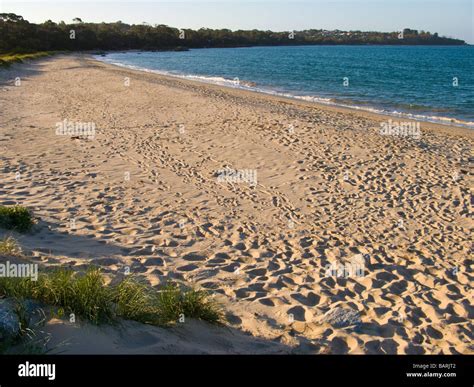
(194, 256)
(299, 313)
(189, 267)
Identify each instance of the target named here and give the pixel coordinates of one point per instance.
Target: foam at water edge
(327, 101)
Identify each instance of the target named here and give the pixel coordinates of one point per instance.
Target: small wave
(252, 86)
(236, 82)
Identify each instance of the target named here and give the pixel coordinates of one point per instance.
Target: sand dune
(145, 194)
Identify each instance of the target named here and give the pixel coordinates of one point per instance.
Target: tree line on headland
(19, 35)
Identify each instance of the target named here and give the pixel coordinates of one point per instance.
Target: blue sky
(454, 18)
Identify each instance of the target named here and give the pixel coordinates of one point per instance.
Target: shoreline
(145, 194)
(319, 101)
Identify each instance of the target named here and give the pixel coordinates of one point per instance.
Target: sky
(452, 18)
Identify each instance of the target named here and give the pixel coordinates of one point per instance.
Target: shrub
(16, 218)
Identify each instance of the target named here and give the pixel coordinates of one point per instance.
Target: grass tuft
(28, 340)
(16, 218)
(8, 59)
(135, 301)
(87, 296)
(9, 246)
(174, 303)
(84, 295)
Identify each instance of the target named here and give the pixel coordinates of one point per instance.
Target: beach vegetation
(89, 296)
(27, 338)
(20, 36)
(17, 218)
(9, 246)
(7, 59)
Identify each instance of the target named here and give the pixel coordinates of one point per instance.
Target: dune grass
(9, 246)
(17, 218)
(88, 296)
(7, 59)
(29, 340)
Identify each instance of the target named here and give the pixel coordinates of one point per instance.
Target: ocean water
(424, 82)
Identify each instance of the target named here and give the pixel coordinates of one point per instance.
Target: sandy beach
(317, 233)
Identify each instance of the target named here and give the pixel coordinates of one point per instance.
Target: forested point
(19, 35)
